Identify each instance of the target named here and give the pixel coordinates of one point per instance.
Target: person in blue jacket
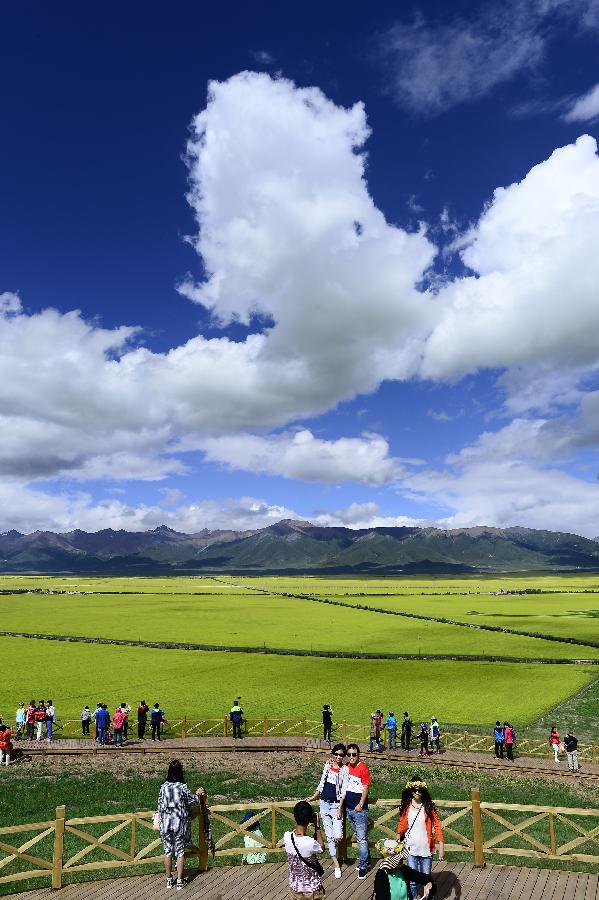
(499, 740)
(391, 726)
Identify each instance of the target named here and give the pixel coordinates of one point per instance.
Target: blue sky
(326, 263)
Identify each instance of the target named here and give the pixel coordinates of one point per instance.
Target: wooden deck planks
(269, 882)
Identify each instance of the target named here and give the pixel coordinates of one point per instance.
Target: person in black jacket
(571, 745)
(406, 732)
(382, 886)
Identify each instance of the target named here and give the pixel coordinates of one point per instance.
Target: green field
(267, 612)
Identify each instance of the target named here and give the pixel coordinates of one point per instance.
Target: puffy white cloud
(503, 493)
(533, 299)
(302, 455)
(29, 509)
(363, 515)
(584, 108)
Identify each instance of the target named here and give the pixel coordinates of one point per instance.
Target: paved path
(269, 882)
(451, 758)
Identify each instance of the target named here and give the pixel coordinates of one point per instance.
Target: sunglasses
(352, 753)
(341, 755)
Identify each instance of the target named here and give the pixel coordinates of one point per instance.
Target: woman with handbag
(305, 871)
(330, 790)
(418, 826)
(175, 808)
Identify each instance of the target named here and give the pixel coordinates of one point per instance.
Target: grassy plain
(236, 611)
(251, 619)
(202, 684)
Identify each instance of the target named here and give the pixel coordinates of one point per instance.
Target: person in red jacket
(419, 825)
(5, 743)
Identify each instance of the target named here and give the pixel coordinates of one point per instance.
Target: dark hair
(49, 701)
(427, 800)
(352, 747)
(303, 813)
(339, 747)
(175, 772)
(157, 706)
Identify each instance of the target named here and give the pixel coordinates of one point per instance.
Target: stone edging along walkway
(326, 654)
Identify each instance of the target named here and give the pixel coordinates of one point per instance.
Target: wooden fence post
(477, 828)
(552, 844)
(265, 727)
(593, 752)
(202, 842)
(184, 727)
(57, 856)
(466, 742)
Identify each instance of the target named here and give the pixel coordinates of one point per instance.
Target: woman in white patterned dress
(175, 804)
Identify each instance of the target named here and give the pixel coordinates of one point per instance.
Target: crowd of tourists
(343, 791)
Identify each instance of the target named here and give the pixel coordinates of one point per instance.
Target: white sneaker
(337, 873)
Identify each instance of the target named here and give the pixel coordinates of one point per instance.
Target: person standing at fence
(424, 751)
(40, 718)
(355, 800)
(571, 745)
(157, 718)
(30, 719)
(20, 721)
(419, 826)
(50, 715)
(255, 842)
(235, 716)
(391, 726)
(499, 740)
(118, 720)
(330, 791)
(142, 719)
(175, 805)
(375, 734)
(406, 732)
(5, 743)
(302, 851)
(554, 742)
(508, 738)
(95, 718)
(126, 710)
(435, 735)
(85, 716)
(327, 722)
(102, 723)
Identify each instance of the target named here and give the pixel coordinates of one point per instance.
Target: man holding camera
(302, 850)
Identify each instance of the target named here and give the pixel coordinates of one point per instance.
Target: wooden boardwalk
(461, 881)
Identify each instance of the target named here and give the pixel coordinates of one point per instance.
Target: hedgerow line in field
(406, 615)
(282, 651)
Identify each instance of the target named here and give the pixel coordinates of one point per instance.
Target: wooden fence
(56, 849)
(342, 731)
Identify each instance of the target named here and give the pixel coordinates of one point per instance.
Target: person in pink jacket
(554, 742)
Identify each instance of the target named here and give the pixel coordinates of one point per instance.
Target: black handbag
(315, 866)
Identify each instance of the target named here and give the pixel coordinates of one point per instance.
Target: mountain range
(297, 546)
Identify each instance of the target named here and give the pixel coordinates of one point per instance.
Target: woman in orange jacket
(419, 825)
(5, 743)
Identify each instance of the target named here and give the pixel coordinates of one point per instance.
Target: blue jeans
(118, 737)
(379, 746)
(49, 729)
(102, 735)
(392, 738)
(422, 864)
(359, 823)
(333, 827)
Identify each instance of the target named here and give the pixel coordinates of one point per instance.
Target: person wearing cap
(375, 734)
(391, 726)
(406, 732)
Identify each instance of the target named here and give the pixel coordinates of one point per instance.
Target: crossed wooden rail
(65, 846)
(342, 731)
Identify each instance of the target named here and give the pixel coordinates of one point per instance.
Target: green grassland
(256, 620)
(198, 683)
(267, 612)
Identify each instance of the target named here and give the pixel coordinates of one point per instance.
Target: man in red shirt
(355, 798)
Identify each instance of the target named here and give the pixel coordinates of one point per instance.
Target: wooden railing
(126, 841)
(342, 731)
